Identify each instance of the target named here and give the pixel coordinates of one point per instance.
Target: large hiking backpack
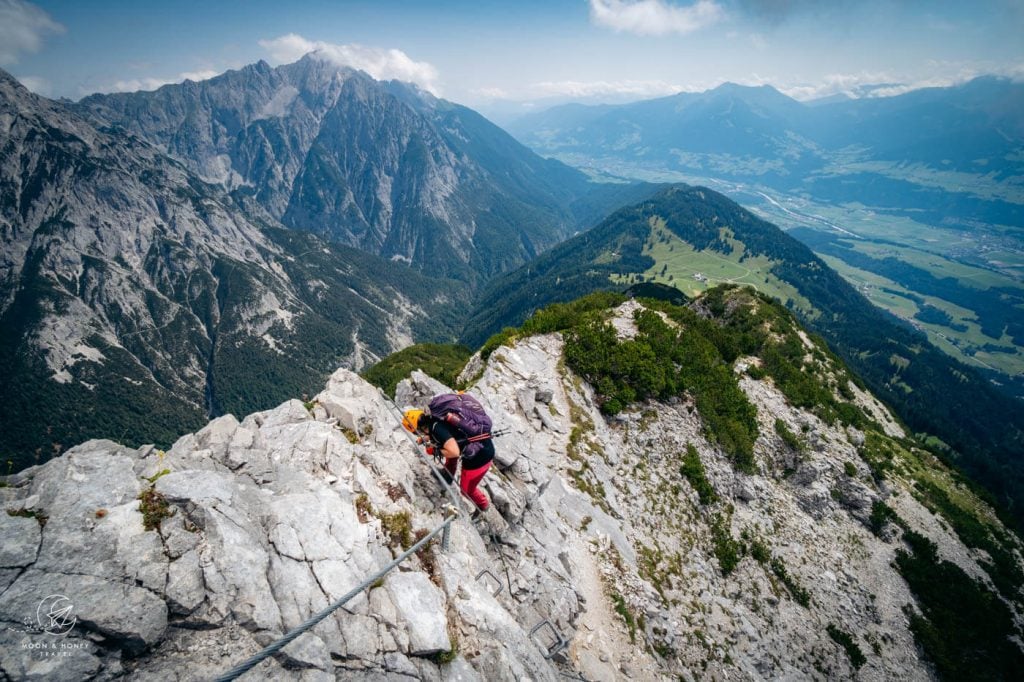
(465, 413)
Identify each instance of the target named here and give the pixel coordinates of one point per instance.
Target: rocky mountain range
(213, 247)
(138, 299)
(949, 156)
(629, 544)
(383, 166)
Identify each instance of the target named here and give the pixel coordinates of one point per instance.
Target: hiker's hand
(430, 450)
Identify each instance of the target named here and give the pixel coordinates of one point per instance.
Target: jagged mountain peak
(9, 82)
(134, 293)
(380, 165)
(637, 539)
(317, 69)
(16, 99)
(146, 278)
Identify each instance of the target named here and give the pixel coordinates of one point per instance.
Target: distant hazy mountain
(731, 119)
(865, 150)
(382, 166)
(692, 237)
(136, 299)
(975, 127)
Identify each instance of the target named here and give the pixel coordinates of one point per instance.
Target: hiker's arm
(450, 449)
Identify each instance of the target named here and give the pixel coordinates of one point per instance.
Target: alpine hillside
(382, 166)
(691, 238)
(711, 495)
(137, 300)
(917, 199)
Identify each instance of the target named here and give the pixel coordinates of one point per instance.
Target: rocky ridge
(382, 166)
(128, 285)
(270, 519)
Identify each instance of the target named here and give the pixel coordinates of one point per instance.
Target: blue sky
(493, 54)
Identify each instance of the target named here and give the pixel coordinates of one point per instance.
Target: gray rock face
(257, 525)
(73, 658)
(421, 606)
(415, 187)
(130, 618)
(417, 390)
(151, 249)
(21, 539)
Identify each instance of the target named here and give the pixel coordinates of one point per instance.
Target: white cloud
(654, 17)
(867, 84)
(854, 85)
(150, 83)
(635, 89)
(36, 84)
(381, 63)
(885, 84)
(22, 29)
(491, 93)
(891, 90)
(1015, 71)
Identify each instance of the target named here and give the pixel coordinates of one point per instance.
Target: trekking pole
(497, 433)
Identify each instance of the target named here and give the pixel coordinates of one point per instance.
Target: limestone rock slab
(421, 608)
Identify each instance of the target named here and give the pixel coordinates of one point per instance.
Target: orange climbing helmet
(411, 420)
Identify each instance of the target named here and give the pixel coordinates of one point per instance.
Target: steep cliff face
(136, 300)
(381, 166)
(635, 540)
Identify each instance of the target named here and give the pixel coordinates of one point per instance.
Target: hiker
(457, 428)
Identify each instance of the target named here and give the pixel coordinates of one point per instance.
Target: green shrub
(881, 513)
(784, 361)
(843, 639)
(497, 340)
(1003, 568)
(879, 453)
(661, 362)
(762, 555)
(727, 550)
(441, 361)
(398, 526)
(155, 477)
(800, 595)
(788, 437)
(619, 604)
(445, 657)
(562, 316)
(154, 508)
(963, 627)
(693, 470)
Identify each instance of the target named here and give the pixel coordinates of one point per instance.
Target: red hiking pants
(469, 481)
